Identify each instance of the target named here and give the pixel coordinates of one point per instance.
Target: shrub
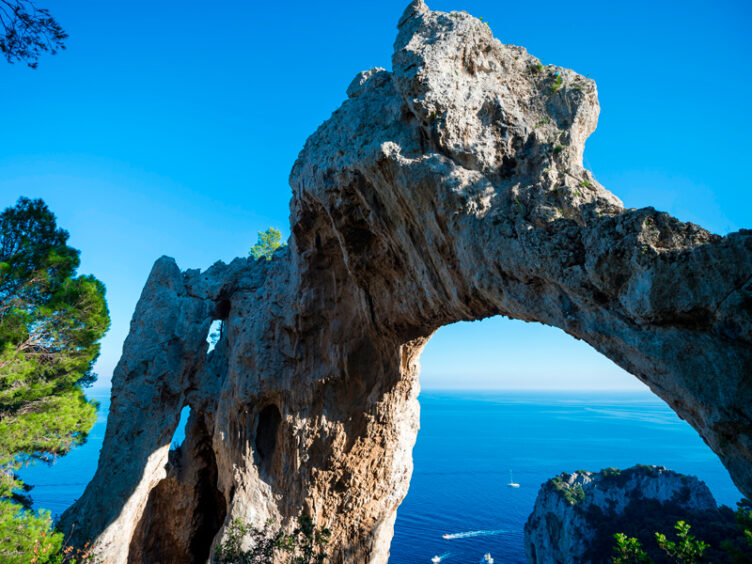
(572, 494)
(268, 545)
(556, 86)
(268, 243)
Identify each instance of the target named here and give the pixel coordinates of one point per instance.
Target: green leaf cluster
(557, 84)
(268, 545)
(628, 550)
(268, 243)
(685, 550)
(51, 322)
(688, 549)
(740, 552)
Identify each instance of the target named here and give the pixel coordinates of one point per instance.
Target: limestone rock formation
(570, 508)
(449, 188)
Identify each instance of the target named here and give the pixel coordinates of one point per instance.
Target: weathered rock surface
(448, 189)
(570, 508)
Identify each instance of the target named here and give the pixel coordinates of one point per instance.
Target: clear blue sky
(171, 127)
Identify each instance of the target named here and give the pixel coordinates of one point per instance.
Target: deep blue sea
(467, 446)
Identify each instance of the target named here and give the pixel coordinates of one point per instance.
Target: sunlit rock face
(448, 189)
(566, 523)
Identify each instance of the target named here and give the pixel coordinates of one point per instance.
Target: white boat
(487, 559)
(512, 483)
(446, 536)
(436, 559)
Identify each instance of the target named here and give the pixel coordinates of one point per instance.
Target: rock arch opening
(178, 437)
(499, 352)
(216, 329)
(223, 309)
(471, 437)
(185, 510)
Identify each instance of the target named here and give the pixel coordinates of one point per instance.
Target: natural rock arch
(449, 189)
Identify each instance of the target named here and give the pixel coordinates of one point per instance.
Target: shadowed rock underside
(448, 189)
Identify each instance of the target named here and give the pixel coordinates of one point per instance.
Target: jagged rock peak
(415, 8)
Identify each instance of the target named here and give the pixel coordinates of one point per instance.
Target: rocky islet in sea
(576, 515)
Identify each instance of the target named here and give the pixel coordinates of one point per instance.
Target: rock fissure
(429, 197)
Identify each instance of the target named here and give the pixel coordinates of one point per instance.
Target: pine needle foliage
(27, 31)
(268, 243)
(51, 322)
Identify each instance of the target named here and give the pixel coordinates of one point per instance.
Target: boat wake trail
(469, 534)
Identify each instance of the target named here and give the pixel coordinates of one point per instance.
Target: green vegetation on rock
(741, 550)
(557, 84)
(268, 243)
(306, 545)
(572, 494)
(721, 541)
(51, 321)
(686, 549)
(620, 478)
(628, 550)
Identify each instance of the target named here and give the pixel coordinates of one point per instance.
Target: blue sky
(170, 128)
